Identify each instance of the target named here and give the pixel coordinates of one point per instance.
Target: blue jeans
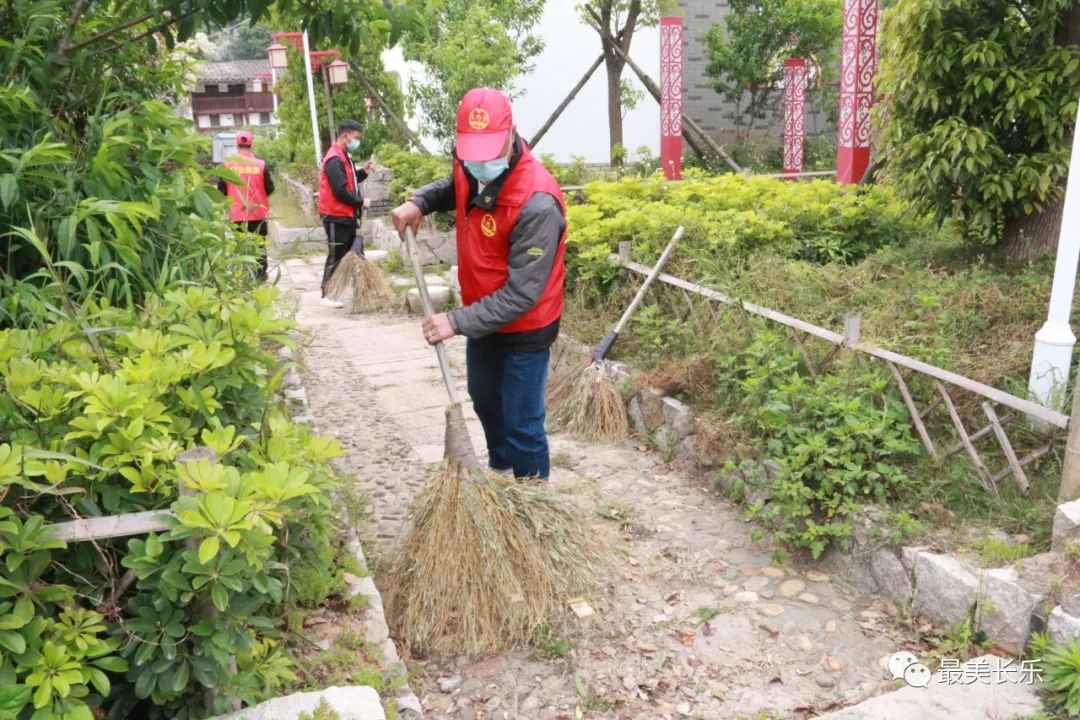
(507, 389)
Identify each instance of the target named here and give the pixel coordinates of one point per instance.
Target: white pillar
(273, 86)
(311, 100)
(1054, 342)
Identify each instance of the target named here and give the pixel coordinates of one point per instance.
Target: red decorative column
(794, 114)
(857, 64)
(671, 100)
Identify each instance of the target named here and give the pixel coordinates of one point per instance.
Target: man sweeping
(340, 201)
(511, 231)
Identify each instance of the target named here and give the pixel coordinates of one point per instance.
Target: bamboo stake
(1003, 439)
(566, 102)
(980, 466)
(913, 411)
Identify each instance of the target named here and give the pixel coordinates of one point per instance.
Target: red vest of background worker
(249, 199)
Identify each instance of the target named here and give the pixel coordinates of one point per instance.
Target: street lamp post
(1054, 342)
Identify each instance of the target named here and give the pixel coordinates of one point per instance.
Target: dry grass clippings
(586, 402)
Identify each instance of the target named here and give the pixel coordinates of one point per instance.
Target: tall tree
(246, 42)
(982, 98)
(615, 21)
(467, 44)
(747, 53)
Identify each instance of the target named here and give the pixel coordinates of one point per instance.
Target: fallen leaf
(772, 633)
(647, 648)
(833, 664)
(674, 597)
(687, 635)
(349, 578)
(706, 629)
(629, 683)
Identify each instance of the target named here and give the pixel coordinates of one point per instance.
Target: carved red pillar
(794, 114)
(671, 100)
(857, 64)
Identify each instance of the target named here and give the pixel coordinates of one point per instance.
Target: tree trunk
(614, 107)
(1032, 236)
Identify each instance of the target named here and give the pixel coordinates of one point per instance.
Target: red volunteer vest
(483, 241)
(249, 200)
(328, 202)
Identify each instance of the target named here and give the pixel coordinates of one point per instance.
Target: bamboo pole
(566, 102)
(688, 122)
(393, 116)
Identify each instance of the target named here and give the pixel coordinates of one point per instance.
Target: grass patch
(351, 660)
(287, 212)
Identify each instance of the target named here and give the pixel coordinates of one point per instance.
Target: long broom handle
(425, 299)
(609, 340)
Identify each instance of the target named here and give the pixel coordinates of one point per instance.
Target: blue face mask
(488, 170)
(354, 145)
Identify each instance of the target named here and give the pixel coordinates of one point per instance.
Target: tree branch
(151, 31)
(73, 20)
(105, 34)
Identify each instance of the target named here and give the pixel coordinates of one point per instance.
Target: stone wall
(436, 247)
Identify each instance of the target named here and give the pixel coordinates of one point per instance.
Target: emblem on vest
(487, 225)
(479, 119)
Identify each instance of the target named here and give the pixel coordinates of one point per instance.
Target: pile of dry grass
(486, 563)
(692, 377)
(587, 403)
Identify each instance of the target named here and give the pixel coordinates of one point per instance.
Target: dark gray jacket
(534, 243)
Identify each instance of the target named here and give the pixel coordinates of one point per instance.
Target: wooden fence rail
(1018, 407)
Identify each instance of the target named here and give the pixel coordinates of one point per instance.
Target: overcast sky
(570, 47)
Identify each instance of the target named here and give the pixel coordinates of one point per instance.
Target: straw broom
(585, 401)
(486, 560)
(362, 279)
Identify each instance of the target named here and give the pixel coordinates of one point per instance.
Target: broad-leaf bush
(130, 332)
(96, 431)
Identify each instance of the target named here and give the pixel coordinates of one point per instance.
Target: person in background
(511, 238)
(340, 201)
(249, 200)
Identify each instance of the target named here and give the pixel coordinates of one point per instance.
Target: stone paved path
(697, 621)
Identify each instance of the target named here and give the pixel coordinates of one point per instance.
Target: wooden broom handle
(649, 280)
(425, 299)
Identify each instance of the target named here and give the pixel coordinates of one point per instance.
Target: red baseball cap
(484, 120)
(244, 139)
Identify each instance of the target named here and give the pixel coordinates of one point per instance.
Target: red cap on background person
(244, 139)
(484, 121)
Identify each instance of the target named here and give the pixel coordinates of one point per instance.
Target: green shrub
(1061, 679)
(734, 216)
(94, 423)
(411, 170)
(839, 439)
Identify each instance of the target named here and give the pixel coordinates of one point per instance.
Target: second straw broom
(585, 401)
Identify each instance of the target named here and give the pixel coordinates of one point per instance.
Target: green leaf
(14, 698)
(100, 681)
(220, 596)
(13, 641)
(9, 188)
(209, 548)
(112, 664)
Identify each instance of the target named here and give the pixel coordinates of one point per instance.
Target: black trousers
(259, 228)
(340, 238)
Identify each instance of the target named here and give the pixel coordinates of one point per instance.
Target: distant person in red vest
(340, 201)
(511, 232)
(249, 200)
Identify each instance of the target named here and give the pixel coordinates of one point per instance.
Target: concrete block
(891, 576)
(375, 256)
(351, 703)
(946, 699)
(1062, 626)
(637, 420)
(945, 588)
(677, 420)
(1006, 607)
(1066, 526)
(652, 408)
(440, 298)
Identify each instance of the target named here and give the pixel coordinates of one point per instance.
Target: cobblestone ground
(695, 620)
